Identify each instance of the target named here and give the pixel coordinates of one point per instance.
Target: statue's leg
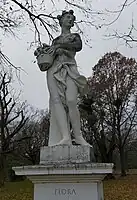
(59, 112)
(62, 123)
(71, 97)
(54, 131)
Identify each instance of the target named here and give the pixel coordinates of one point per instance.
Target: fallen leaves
(121, 189)
(17, 191)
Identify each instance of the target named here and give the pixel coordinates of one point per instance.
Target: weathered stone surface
(67, 181)
(65, 153)
(65, 169)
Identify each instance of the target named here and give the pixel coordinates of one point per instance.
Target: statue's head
(67, 18)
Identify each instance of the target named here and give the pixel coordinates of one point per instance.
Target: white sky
(34, 88)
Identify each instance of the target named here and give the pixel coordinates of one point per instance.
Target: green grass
(119, 189)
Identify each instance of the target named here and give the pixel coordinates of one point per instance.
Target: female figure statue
(64, 84)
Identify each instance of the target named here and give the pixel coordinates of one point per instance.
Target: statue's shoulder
(55, 40)
(76, 36)
(72, 36)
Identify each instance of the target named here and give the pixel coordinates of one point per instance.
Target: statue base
(66, 154)
(68, 177)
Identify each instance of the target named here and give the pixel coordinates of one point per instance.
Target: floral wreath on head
(64, 12)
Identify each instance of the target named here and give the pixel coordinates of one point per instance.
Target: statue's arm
(75, 45)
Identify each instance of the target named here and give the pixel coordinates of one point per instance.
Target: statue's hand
(37, 51)
(51, 50)
(44, 45)
(59, 51)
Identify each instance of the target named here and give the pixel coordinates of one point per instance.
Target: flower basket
(44, 61)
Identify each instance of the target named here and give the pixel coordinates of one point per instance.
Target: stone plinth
(64, 169)
(66, 154)
(66, 173)
(67, 181)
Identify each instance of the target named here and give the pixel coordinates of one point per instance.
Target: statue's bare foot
(80, 140)
(65, 141)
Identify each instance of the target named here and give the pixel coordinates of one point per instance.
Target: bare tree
(111, 105)
(129, 36)
(115, 81)
(37, 131)
(37, 15)
(102, 139)
(12, 119)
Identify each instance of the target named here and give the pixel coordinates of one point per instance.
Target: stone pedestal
(66, 154)
(75, 178)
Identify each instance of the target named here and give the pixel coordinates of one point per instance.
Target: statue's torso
(68, 57)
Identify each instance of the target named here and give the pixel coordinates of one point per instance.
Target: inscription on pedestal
(67, 191)
(64, 191)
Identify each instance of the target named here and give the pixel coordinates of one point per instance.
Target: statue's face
(68, 20)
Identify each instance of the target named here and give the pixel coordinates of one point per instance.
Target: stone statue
(64, 83)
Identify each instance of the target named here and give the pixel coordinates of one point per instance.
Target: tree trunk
(2, 169)
(106, 157)
(110, 156)
(122, 162)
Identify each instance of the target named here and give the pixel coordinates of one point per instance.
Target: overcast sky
(34, 88)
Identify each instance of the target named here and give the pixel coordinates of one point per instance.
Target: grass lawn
(119, 189)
